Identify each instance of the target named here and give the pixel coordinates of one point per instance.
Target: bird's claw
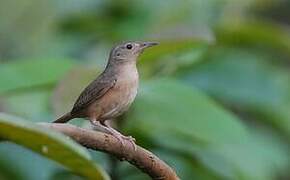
(127, 138)
(132, 141)
(130, 138)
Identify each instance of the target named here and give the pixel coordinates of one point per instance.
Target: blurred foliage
(52, 145)
(214, 98)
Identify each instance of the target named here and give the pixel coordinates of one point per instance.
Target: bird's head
(129, 51)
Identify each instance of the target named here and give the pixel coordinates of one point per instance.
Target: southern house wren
(113, 91)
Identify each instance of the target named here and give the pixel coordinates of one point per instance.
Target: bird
(113, 91)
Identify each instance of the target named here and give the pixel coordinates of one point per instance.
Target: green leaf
(169, 47)
(168, 106)
(264, 156)
(169, 56)
(33, 73)
(50, 144)
(270, 36)
(248, 81)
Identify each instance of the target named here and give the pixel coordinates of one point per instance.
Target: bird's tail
(63, 119)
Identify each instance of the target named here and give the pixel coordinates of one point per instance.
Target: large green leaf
(28, 74)
(264, 156)
(169, 56)
(168, 106)
(248, 81)
(261, 35)
(50, 144)
(173, 114)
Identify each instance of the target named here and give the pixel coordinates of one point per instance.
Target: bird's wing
(94, 91)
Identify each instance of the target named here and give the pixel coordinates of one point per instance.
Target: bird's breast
(121, 96)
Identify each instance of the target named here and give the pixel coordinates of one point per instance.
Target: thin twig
(141, 158)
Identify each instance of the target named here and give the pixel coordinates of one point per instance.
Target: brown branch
(141, 158)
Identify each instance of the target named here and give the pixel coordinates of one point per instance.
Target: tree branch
(141, 158)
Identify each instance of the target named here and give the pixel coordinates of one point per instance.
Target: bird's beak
(148, 44)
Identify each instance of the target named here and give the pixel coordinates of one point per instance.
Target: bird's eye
(129, 46)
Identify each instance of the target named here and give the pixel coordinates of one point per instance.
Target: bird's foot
(121, 139)
(131, 140)
(116, 134)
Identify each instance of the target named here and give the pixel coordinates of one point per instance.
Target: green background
(214, 96)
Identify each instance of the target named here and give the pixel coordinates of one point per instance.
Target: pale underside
(108, 96)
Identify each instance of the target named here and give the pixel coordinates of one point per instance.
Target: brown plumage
(112, 92)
